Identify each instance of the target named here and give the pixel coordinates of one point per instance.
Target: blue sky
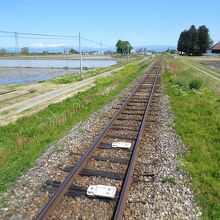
(142, 22)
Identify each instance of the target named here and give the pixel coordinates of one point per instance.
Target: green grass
(169, 180)
(77, 77)
(23, 142)
(197, 122)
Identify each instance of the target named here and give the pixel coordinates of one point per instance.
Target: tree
(194, 41)
(180, 44)
(123, 47)
(204, 39)
(3, 51)
(173, 51)
(183, 42)
(72, 51)
(25, 50)
(45, 52)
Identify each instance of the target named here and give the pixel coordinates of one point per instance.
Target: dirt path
(8, 113)
(203, 71)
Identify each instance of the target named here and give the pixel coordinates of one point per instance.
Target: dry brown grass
(108, 89)
(172, 67)
(61, 120)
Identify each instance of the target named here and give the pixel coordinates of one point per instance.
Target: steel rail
(64, 186)
(121, 204)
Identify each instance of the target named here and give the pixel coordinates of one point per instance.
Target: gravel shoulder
(166, 196)
(169, 194)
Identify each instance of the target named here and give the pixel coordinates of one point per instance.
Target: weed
(21, 140)
(178, 168)
(60, 148)
(33, 90)
(169, 180)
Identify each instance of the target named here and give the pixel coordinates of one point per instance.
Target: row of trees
(194, 41)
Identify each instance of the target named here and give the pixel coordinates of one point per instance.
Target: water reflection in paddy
(16, 71)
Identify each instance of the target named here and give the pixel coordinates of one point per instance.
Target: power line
(38, 34)
(25, 35)
(51, 35)
(96, 42)
(36, 38)
(7, 36)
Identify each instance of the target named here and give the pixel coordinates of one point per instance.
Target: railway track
(104, 173)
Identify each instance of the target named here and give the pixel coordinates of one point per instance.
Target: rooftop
(216, 46)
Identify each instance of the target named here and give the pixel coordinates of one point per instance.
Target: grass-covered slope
(197, 120)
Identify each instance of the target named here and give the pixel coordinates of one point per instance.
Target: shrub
(181, 83)
(32, 90)
(195, 84)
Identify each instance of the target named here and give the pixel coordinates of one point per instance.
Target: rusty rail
(120, 207)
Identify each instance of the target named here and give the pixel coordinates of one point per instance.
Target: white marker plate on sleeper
(101, 191)
(121, 145)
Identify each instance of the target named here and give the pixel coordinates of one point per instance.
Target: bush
(195, 84)
(181, 83)
(32, 90)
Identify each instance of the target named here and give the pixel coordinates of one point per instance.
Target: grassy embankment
(197, 120)
(77, 77)
(89, 73)
(23, 142)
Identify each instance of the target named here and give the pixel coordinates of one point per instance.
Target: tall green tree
(123, 47)
(194, 41)
(204, 39)
(183, 45)
(72, 51)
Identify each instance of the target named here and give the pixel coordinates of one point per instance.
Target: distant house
(216, 48)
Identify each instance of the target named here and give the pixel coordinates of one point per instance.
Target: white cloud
(40, 45)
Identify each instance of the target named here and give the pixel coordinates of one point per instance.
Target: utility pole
(16, 42)
(128, 53)
(67, 53)
(80, 53)
(101, 48)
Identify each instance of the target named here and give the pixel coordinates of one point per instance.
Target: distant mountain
(56, 49)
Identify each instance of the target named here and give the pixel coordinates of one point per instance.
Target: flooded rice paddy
(212, 64)
(30, 71)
